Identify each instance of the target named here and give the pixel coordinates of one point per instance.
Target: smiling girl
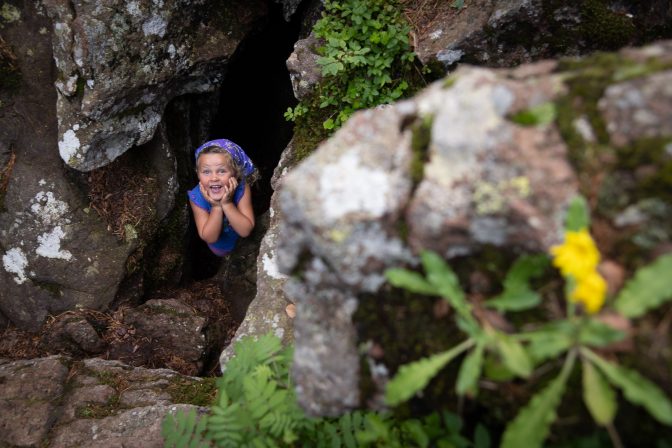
(222, 200)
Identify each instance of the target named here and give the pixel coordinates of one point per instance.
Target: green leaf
(482, 437)
(413, 377)
(540, 114)
(410, 281)
(531, 425)
(599, 397)
(513, 355)
(599, 334)
(517, 294)
(446, 282)
(650, 287)
(470, 371)
(636, 388)
(578, 215)
(514, 300)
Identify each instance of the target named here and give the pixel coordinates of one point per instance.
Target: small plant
(365, 58)
(578, 336)
(256, 406)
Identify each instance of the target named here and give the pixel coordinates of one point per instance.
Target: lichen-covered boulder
(456, 169)
(120, 63)
(507, 33)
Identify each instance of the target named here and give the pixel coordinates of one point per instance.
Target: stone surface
(94, 403)
(508, 33)
(119, 64)
(304, 72)
(266, 312)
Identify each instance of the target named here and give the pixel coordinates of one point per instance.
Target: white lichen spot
(68, 147)
(583, 127)
(43, 31)
(47, 208)
(15, 262)
(50, 245)
(436, 34)
(348, 187)
(271, 267)
(42, 182)
(133, 8)
(171, 51)
(30, 52)
(154, 26)
(90, 83)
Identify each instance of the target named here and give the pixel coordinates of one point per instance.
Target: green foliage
(538, 115)
(502, 357)
(413, 377)
(599, 397)
(517, 294)
(578, 216)
(531, 425)
(635, 387)
(365, 58)
(650, 287)
(256, 407)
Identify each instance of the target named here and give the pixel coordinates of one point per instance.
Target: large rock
(507, 33)
(468, 164)
(66, 237)
(266, 312)
(92, 403)
(120, 63)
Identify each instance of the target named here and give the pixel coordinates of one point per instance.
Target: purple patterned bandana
(237, 154)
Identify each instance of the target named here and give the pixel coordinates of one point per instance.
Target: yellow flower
(577, 256)
(590, 291)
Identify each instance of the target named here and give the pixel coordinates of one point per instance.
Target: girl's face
(214, 173)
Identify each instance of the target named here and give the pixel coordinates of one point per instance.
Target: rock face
(497, 34)
(266, 313)
(120, 63)
(93, 403)
(468, 163)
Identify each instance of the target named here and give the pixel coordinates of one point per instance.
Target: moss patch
(198, 393)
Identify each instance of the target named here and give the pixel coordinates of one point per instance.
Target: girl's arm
(209, 225)
(241, 217)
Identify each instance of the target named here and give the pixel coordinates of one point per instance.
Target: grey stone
(29, 398)
(119, 64)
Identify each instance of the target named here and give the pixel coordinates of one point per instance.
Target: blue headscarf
(237, 154)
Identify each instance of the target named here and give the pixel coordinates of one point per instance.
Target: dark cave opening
(255, 94)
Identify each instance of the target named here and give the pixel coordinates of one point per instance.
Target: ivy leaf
(650, 287)
(413, 377)
(636, 388)
(531, 425)
(578, 215)
(599, 397)
(513, 355)
(470, 372)
(599, 334)
(410, 281)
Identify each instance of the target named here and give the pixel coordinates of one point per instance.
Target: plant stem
(613, 435)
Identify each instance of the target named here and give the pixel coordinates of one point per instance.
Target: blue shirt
(228, 237)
